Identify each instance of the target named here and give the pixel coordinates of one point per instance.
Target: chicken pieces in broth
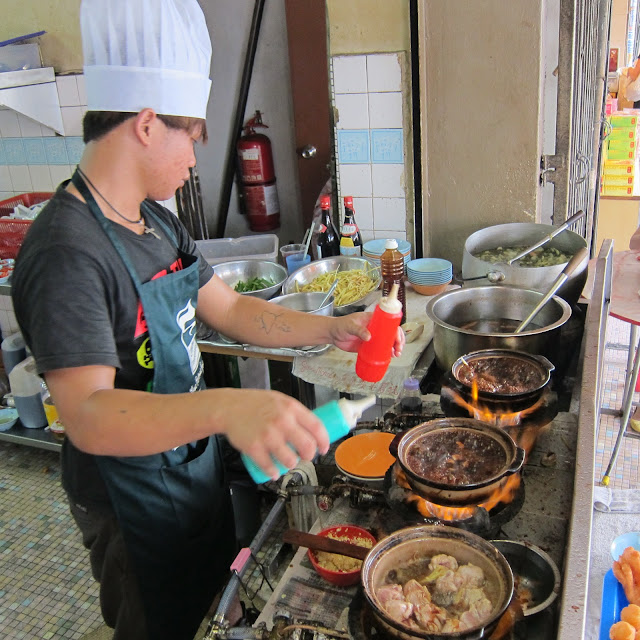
(449, 599)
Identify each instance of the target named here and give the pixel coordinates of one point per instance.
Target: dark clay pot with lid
(457, 462)
(503, 375)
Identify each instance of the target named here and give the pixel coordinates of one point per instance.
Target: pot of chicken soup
(433, 582)
(458, 462)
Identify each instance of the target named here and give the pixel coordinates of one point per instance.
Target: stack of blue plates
(373, 249)
(429, 271)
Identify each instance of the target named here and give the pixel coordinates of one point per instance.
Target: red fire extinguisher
(257, 177)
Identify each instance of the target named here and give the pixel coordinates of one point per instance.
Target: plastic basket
(25, 199)
(13, 230)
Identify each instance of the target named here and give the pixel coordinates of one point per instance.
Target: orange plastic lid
(365, 455)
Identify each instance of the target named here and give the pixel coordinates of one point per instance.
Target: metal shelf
(39, 438)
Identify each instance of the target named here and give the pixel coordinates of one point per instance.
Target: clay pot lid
(365, 455)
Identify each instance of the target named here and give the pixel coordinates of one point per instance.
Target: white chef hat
(146, 53)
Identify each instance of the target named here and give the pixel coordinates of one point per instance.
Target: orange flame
(524, 437)
(504, 493)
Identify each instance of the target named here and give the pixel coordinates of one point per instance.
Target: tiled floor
(46, 589)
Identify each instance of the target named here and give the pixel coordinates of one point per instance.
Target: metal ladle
(332, 288)
(498, 276)
(572, 265)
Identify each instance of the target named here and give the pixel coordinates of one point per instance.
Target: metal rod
(230, 168)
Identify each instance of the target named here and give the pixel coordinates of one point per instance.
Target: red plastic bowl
(341, 578)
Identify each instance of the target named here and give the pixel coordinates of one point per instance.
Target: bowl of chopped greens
(258, 278)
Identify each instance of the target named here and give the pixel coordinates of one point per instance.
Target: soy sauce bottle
(328, 239)
(350, 237)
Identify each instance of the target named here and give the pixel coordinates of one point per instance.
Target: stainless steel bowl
(307, 302)
(308, 273)
(234, 272)
(536, 576)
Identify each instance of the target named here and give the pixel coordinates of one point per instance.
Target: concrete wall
(482, 82)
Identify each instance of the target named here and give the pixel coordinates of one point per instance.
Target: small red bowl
(352, 534)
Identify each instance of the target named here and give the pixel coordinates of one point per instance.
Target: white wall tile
(170, 204)
(47, 132)
(13, 323)
(59, 172)
(5, 180)
(387, 181)
(9, 127)
(41, 177)
(82, 90)
(349, 74)
(29, 128)
(384, 72)
(390, 233)
(367, 234)
(353, 111)
(21, 178)
(355, 180)
(4, 324)
(67, 91)
(385, 110)
(5, 302)
(5, 195)
(364, 212)
(72, 119)
(389, 213)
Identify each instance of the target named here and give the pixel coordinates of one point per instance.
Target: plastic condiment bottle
(27, 388)
(14, 351)
(374, 356)
(410, 397)
(392, 268)
(339, 417)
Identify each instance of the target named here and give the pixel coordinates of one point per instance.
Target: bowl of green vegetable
(258, 278)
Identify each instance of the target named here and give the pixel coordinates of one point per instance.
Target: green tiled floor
(46, 588)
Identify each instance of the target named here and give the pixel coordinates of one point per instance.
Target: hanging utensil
(573, 219)
(572, 265)
(322, 543)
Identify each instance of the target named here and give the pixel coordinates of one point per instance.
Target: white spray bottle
(339, 417)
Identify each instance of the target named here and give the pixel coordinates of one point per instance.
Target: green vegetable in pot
(254, 284)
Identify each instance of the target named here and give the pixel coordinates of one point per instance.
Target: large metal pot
(474, 318)
(536, 278)
(406, 553)
(498, 455)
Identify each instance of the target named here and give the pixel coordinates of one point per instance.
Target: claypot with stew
(406, 554)
(503, 375)
(458, 461)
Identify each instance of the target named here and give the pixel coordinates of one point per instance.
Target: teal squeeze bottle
(338, 417)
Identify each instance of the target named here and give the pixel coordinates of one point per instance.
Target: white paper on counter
(336, 368)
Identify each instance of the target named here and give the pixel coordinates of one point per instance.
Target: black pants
(110, 565)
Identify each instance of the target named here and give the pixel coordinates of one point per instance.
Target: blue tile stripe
(364, 146)
(40, 150)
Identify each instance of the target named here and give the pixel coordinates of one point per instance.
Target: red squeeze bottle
(374, 356)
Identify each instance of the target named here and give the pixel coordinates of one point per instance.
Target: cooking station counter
(556, 512)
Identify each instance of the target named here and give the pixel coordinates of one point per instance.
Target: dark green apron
(174, 508)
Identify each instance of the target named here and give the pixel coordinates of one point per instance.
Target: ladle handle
(572, 265)
(574, 218)
(321, 543)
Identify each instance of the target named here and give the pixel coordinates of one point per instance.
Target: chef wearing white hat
(106, 290)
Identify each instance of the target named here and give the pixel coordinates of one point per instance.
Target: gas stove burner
(523, 424)
(477, 519)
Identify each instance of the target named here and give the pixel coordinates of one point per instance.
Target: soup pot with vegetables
(486, 252)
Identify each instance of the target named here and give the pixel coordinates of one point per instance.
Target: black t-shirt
(76, 304)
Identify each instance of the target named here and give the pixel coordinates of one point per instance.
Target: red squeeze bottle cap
(348, 201)
(325, 202)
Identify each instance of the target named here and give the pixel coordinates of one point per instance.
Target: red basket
(13, 230)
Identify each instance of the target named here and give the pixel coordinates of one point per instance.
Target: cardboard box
(627, 145)
(623, 120)
(618, 167)
(622, 133)
(616, 190)
(618, 181)
(621, 154)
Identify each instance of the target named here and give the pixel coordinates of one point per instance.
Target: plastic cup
(297, 260)
(291, 249)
